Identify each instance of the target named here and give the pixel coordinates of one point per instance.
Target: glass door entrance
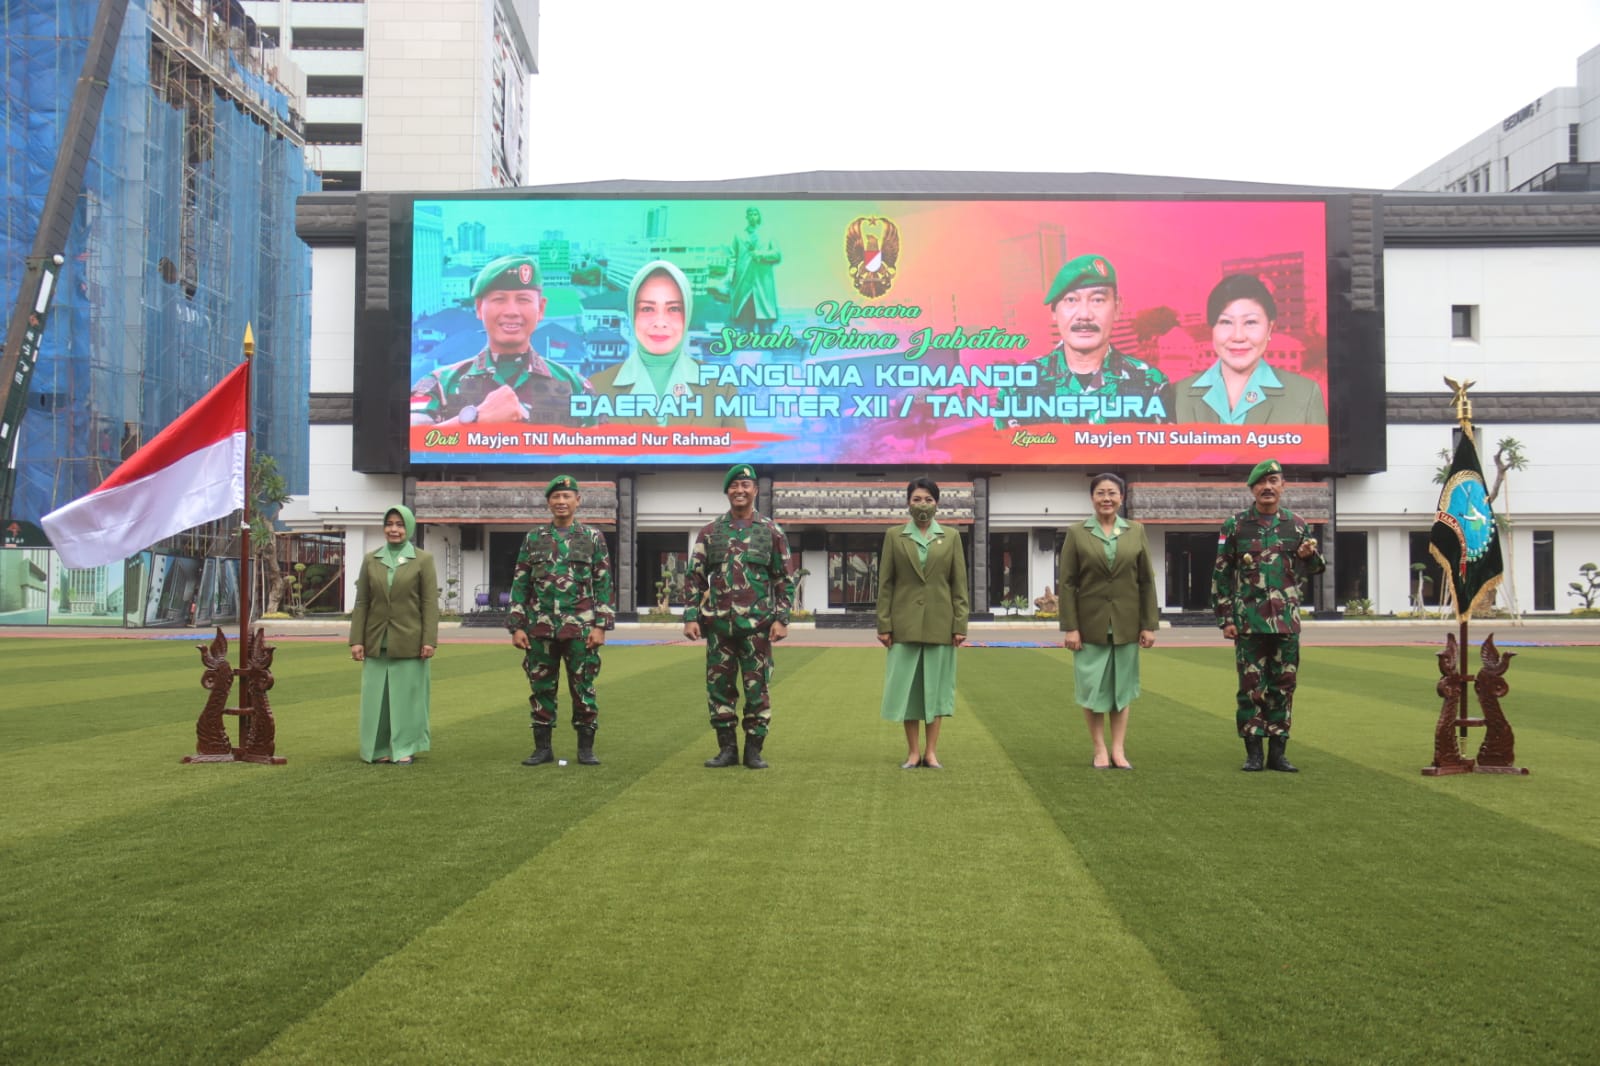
(1190, 557)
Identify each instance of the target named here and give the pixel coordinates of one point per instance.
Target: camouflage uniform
(561, 588)
(738, 585)
(1256, 587)
(1119, 375)
(545, 388)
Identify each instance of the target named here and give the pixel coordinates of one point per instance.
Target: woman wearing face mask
(659, 383)
(1241, 388)
(394, 630)
(922, 620)
(1107, 588)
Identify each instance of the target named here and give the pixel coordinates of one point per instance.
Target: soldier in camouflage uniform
(1263, 556)
(1104, 384)
(738, 593)
(508, 381)
(560, 611)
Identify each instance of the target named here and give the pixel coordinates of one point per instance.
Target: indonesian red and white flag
(189, 473)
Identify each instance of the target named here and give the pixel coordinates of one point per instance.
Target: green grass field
(1016, 907)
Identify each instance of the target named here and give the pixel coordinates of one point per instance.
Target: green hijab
(391, 555)
(649, 373)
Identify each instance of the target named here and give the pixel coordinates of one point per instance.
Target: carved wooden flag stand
(257, 730)
(1463, 541)
(1497, 754)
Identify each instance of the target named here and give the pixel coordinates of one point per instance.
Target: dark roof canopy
(941, 183)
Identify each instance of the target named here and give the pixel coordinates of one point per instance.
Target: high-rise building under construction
(180, 232)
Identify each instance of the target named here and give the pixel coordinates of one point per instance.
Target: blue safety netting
(183, 233)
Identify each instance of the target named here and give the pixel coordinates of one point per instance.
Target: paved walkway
(1541, 631)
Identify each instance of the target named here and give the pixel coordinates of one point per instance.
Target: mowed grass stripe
(105, 769)
(196, 928)
(1350, 705)
(833, 908)
(1348, 711)
(1317, 917)
(59, 690)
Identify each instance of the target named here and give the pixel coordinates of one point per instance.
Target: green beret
(1262, 469)
(559, 482)
(743, 470)
(508, 272)
(1081, 273)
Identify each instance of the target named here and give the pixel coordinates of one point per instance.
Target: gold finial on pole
(1461, 403)
(250, 345)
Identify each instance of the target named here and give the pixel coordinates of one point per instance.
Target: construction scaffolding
(183, 234)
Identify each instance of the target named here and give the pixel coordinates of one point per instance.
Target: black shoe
(752, 753)
(1252, 754)
(1275, 759)
(586, 748)
(729, 753)
(541, 747)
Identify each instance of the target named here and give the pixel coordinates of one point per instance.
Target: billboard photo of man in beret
(1085, 378)
(507, 381)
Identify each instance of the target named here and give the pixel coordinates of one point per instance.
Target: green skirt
(394, 707)
(919, 682)
(1106, 676)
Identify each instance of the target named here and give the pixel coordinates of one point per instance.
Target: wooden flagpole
(257, 730)
(245, 523)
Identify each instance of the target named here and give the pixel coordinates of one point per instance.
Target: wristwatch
(468, 415)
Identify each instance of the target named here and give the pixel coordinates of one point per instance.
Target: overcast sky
(1361, 93)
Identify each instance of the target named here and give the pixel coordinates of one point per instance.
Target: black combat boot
(541, 747)
(1275, 759)
(1252, 754)
(752, 753)
(728, 741)
(586, 747)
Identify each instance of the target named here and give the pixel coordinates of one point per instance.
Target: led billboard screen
(1011, 333)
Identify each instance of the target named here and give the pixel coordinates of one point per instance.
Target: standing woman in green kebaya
(1108, 612)
(394, 630)
(922, 620)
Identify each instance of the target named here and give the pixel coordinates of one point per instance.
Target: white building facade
(406, 94)
(1548, 144)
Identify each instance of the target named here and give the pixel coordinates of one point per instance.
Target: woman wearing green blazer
(1241, 388)
(922, 619)
(1108, 612)
(393, 632)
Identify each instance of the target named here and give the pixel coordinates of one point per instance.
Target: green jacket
(1295, 401)
(405, 614)
(922, 603)
(1096, 598)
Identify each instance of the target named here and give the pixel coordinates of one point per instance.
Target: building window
(1008, 569)
(1464, 322)
(853, 570)
(662, 569)
(328, 39)
(1350, 567)
(1426, 576)
(1544, 570)
(1474, 181)
(334, 85)
(1190, 559)
(1572, 142)
(341, 180)
(333, 133)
